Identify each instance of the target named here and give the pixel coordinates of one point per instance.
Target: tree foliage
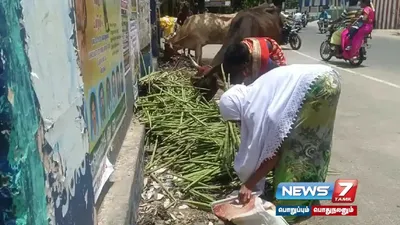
(291, 4)
(251, 3)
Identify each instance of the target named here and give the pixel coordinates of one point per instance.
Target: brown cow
(200, 30)
(261, 21)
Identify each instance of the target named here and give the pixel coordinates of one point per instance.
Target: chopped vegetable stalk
(192, 140)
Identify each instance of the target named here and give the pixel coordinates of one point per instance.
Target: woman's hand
(244, 194)
(247, 188)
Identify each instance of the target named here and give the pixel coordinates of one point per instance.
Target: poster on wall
(125, 35)
(134, 43)
(102, 65)
(143, 8)
(134, 47)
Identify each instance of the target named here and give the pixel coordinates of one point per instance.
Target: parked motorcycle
(298, 25)
(323, 25)
(328, 50)
(290, 36)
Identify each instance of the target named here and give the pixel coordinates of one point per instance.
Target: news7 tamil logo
(342, 191)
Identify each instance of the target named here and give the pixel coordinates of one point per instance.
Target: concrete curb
(121, 203)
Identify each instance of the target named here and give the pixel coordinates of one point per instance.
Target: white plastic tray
(279, 219)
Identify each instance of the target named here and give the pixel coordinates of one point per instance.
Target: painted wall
(66, 96)
(143, 7)
(134, 45)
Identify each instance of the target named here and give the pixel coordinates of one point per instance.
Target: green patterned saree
(305, 153)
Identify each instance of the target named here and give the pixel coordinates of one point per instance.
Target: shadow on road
(344, 64)
(286, 48)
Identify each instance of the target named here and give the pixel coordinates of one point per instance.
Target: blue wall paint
(146, 65)
(26, 196)
(7, 215)
(80, 207)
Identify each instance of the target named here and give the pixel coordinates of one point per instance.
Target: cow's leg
(198, 54)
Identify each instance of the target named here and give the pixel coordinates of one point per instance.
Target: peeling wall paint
(59, 89)
(44, 171)
(57, 85)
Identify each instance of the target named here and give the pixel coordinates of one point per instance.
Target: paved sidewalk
(386, 33)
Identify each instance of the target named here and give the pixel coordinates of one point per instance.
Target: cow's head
(208, 79)
(171, 48)
(176, 41)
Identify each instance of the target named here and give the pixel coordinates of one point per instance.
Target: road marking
(352, 72)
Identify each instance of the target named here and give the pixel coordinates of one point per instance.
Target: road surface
(367, 131)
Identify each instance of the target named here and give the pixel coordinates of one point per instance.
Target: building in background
(387, 14)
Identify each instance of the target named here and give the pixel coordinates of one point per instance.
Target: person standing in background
(184, 14)
(297, 16)
(306, 14)
(196, 7)
(284, 17)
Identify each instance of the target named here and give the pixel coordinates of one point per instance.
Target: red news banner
(334, 210)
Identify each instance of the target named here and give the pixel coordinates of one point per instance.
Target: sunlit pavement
(367, 131)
